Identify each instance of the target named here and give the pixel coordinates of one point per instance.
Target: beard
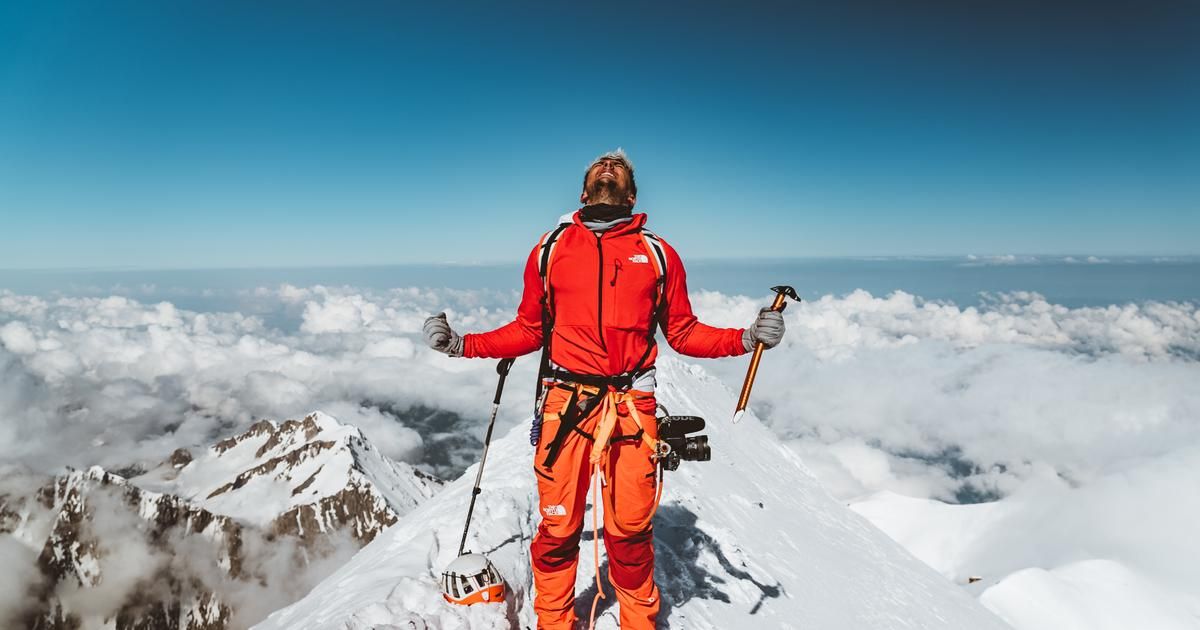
(607, 191)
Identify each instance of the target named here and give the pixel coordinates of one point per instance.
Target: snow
(1089, 595)
(328, 461)
(940, 534)
(961, 541)
(749, 537)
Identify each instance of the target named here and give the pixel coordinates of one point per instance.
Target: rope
(596, 543)
(608, 422)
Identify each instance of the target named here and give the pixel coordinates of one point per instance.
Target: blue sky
(219, 134)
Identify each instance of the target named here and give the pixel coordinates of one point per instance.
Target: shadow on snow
(679, 547)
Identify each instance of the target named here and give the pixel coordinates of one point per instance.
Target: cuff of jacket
(739, 342)
(468, 346)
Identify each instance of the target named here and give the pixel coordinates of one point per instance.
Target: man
(595, 291)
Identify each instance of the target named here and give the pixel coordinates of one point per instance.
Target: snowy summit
(748, 538)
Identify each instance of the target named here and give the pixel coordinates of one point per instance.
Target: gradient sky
(227, 134)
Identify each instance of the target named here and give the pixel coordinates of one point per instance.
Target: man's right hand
(767, 329)
(441, 337)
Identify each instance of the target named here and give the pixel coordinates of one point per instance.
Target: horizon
(988, 259)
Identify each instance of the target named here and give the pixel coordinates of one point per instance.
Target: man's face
(607, 182)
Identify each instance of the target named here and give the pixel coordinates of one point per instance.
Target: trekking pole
(501, 369)
(780, 303)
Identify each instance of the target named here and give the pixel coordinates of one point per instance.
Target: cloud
(1088, 260)
(1073, 413)
(833, 327)
(121, 564)
(21, 577)
(112, 381)
(1085, 421)
(1003, 259)
(1018, 381)
(124, 559)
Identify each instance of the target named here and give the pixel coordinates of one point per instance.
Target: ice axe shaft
(501, 369)
(782, 293)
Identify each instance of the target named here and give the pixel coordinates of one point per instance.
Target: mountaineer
(596, 289)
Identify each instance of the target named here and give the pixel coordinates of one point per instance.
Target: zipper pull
(616, 268)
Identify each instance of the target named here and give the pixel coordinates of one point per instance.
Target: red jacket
(603, 301)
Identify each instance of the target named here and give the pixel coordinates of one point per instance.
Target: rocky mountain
(302, 478)
(210, 540)
(89, 518)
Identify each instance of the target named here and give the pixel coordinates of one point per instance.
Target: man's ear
(632, 200)
(583, 198)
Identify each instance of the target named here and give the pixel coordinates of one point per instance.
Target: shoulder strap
(545, 249)
(659, 256)
(655, 245)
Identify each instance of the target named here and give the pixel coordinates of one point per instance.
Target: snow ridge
(300, 477)
(749, 537)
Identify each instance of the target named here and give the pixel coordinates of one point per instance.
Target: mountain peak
(296, 476)
(749, 537)
(298, 489)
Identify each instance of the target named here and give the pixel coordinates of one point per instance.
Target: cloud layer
(112, 381)
(1087, 418)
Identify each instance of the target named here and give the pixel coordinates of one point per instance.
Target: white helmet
(472, 579)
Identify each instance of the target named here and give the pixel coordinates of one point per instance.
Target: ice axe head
(782, 293)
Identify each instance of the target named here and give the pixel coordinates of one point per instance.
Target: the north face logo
(555, 510)
(639, 258)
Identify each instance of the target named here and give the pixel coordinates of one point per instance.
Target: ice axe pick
(782, 293)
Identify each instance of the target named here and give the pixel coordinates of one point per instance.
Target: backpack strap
(545, 249)
(655, 245)
(659, 260)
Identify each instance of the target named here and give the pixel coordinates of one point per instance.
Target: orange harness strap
(608, 411)
(608, 422)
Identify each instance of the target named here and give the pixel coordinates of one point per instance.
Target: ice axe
(782, 293)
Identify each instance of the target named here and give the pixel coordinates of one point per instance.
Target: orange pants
(629, 503)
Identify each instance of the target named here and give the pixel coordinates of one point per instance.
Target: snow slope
(942, 535)
(749, 537)
(1088, 595)
(969, 540)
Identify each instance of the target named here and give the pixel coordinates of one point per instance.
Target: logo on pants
(555, 510)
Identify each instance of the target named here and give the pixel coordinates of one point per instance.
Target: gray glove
(768, 328)
(440, 337)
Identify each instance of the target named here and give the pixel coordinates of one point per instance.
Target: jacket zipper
(616, 270)
(600, 290)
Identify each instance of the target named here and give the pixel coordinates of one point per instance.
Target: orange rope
(596, 544)
(608, 422)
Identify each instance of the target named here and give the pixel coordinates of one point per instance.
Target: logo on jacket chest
(639, 258)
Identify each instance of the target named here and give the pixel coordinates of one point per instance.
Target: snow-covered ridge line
(298, 477)
(749, 537)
